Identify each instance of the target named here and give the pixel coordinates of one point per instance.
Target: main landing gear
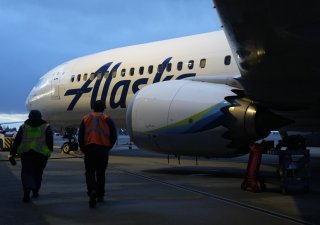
(71, 144)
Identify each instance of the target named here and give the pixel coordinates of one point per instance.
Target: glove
(12, 160)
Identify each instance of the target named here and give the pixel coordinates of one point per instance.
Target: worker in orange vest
(97, 135)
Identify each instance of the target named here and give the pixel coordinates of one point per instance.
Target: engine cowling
(184, 117)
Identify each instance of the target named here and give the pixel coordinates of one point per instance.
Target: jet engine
(184, 117)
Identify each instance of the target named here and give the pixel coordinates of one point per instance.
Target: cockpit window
(44, 81)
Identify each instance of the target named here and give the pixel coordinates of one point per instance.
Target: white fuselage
(65, 93)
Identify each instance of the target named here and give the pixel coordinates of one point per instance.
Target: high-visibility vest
(34, 138)
(97, 131)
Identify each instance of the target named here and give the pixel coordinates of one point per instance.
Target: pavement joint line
(217, 197)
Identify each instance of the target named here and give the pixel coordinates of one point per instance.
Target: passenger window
(150, 69)
(79, 77)
(132, 71)
(203, 63)
(106, 74)
(72, 78)
(91, 76)
(160, 68)
(114, 73)
(179, 66)
(99, 76)
(85, 76)
(190, 64)
(123, 72)
(141, 70)
(169, 67)
(227, 60)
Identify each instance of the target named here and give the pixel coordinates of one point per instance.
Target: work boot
(35, 193)
(26, 196)
(100, 199)
(93, 199)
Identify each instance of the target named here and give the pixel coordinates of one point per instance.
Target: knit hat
(99, 106)
(35, 115)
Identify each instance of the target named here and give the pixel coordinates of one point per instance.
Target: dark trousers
(96, 162)
(33, 164)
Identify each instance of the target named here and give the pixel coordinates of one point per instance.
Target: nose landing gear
(72, 143)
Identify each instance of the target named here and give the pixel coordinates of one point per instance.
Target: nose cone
(28, 100)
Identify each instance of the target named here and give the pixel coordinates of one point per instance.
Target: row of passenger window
(160, 69)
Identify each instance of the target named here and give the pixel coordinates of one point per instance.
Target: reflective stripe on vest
(97, 130)
(34, 138)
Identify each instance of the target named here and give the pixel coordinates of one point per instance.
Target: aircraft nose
(28, 101)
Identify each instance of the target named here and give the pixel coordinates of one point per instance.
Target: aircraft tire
(66, 148)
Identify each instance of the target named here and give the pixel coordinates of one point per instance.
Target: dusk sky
(37, 35)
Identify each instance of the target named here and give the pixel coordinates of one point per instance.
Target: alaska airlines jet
(190, 96)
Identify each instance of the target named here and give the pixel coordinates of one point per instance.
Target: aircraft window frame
(169, 67)
(141, 70)
(72, 78)
(78, 77)
(190, 64)
(160, 68)
(180, 66)
(91, 76)
(203, 63)
(114, 73)
(106, 74)
(227, 60)
(123, 72)
(131, 72)
(150, 69)
(85, 77)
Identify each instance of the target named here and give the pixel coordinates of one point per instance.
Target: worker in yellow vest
(97, 135)
(34, 142)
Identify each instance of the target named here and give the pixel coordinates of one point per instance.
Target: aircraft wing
(276, 45)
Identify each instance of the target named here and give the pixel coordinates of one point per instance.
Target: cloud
(12, 118)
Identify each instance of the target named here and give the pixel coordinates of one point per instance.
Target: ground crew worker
(97, 135)
(34, 141)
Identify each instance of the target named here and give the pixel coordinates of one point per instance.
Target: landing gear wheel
(69, 146)
(66, 148)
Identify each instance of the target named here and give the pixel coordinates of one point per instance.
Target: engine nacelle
(180, 117)
(184, 117)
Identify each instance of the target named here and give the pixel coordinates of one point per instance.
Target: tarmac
(142, 188)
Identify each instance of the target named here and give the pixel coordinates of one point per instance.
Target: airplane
(202, 95)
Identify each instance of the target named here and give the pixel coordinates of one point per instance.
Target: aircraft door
(55, 87)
